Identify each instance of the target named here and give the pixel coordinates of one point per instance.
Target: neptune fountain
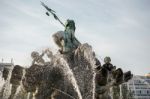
(74, 72)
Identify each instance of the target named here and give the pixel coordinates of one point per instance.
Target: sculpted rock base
(68, 76)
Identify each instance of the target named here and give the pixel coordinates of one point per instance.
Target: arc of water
(63, 92)
(2, 81)
(7, 86)
(120, 86)
(91, 59)
(71, 77)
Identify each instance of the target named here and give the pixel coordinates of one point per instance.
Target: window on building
(140, 91)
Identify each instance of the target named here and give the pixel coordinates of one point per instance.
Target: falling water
(71, 77)
(29, 95)
(68, 73)
(120, 86)
(94, 74)
(91, 58)
(94, 85)
(64, 93)
(20, 90)
(2, 81)
(6, 88)
(17, 92)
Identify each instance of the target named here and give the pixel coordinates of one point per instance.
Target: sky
(116, 28)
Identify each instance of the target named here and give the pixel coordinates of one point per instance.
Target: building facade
(6, 65)
(5, 69)
(139, 86)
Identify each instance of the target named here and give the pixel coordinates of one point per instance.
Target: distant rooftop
(2, 63)
(147, 75)
(6, 64)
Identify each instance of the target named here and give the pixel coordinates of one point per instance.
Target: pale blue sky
(116, 28)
